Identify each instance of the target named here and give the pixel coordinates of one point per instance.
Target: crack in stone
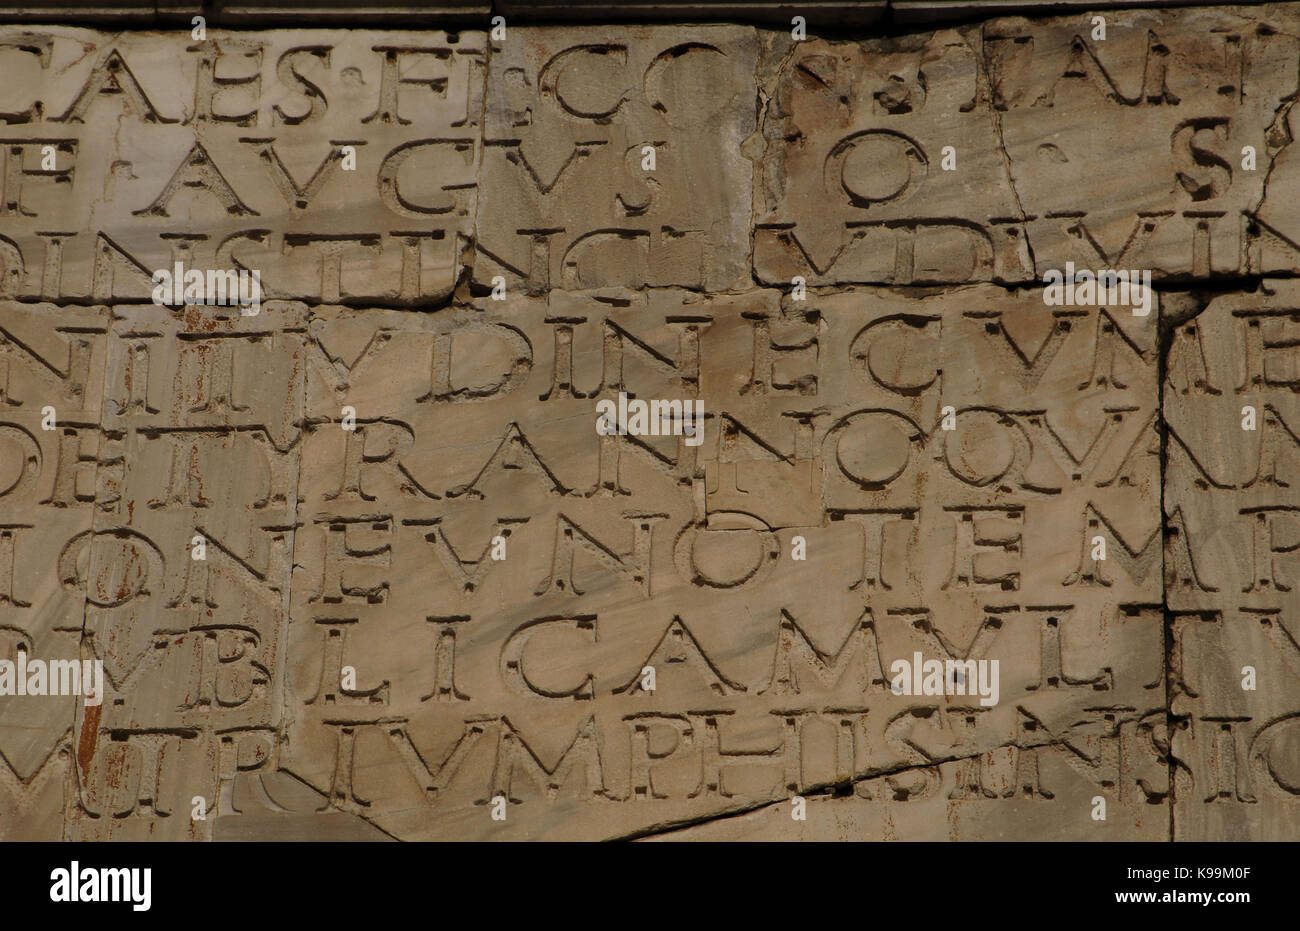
(986, 90)
(823, 790)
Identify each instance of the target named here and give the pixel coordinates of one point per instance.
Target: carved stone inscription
(342, 165)
(617, 160)
(600, 432)
(1149, 148)
(1230, 558)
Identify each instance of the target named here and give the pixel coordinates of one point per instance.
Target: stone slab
(340, 165)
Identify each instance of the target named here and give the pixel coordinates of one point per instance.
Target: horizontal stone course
(470, 13)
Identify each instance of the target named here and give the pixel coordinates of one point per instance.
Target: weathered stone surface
(249, 12)
(1180, 93)
(343, 12)
(361, 560)
(616, 160)
(52, 362)
(520, 678)
(777, 12)
(189, 561)
(475, 13)
(51, 11)
(230, 152)
(854, 186)
(1231, 505)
